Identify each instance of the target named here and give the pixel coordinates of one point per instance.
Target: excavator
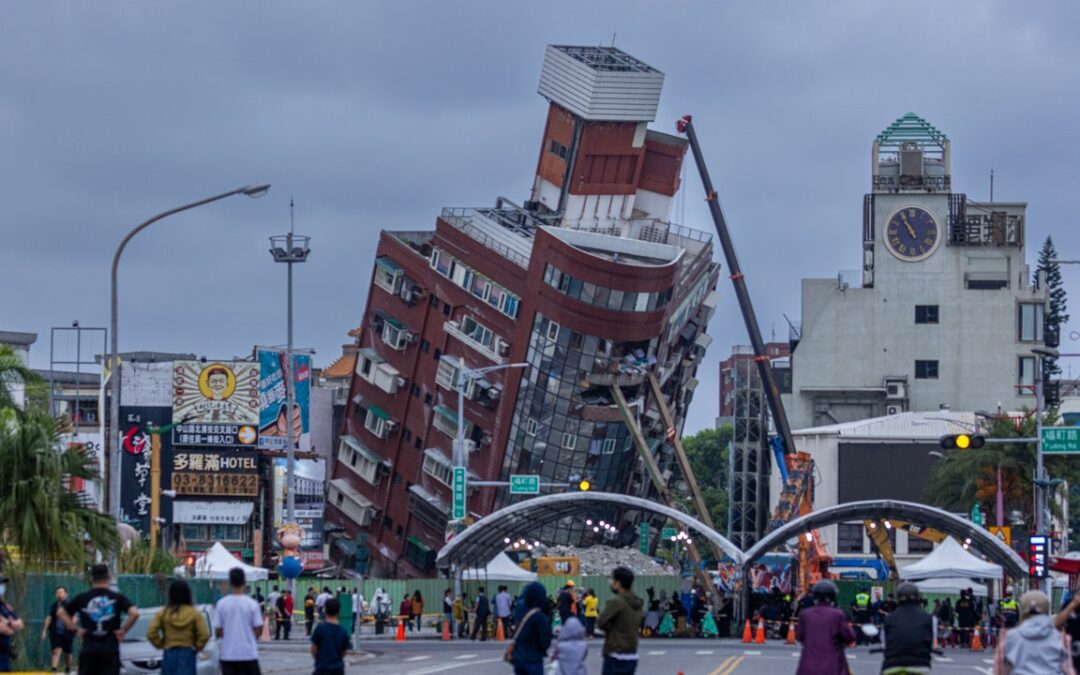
(796, 468)
(878, 531)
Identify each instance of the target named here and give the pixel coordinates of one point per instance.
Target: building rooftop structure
(600, 83)
(10, 337)
(930, 425)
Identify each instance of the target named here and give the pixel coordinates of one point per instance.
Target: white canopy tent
(217, 561)
(501, 568)
(949, 560)
(951, 586)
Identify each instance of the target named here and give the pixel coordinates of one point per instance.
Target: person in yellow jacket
(592, 610)
(180, 630)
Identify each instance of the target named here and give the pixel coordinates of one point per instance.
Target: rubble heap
(600, 560)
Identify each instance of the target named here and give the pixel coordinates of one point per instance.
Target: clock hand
(910, 229)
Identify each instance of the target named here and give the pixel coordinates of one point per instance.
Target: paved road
(659, 657)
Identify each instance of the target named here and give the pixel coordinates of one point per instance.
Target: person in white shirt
(238, 622)
(504, 607)
(320, 603)
(359, 607)
(271, 610)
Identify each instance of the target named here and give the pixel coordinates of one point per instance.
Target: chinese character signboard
(216, 403)
(1061, 440)
(274, 418)
(135, 477)
(525, 484)
(459, 493)
(1038, 555)
(225, 473)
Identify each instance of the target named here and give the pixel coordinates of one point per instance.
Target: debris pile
(600, 560)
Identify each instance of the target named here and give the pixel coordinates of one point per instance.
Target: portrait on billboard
(216, 392)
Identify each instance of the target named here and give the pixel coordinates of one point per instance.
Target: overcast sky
(376, 115)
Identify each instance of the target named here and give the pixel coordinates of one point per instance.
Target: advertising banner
(274, 416)
(135, 476)
(310, 479)
(212, 513)
(215, 403)
(216, 472)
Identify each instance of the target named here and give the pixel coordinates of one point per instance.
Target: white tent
(950, 560)
(951, 586)
(217, 561)
(501, 568)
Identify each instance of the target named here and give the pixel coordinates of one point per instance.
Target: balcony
(349, 501)
(446, 421)
(496, 353)
(426, 506)
(627, 371)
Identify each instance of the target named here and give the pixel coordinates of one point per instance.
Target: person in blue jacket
(533, 634)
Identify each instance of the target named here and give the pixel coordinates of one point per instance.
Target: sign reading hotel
(215, 403)
(215, 472)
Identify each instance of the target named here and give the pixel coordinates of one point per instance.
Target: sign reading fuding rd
(524, 485)
(1061, 440)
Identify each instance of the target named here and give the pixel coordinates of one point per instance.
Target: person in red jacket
(824, 631)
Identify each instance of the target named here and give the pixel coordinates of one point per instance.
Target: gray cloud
(375, 115)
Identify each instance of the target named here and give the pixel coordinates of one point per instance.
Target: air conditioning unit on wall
(894, 409)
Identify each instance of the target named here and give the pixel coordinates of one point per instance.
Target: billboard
(135, 476)
(215, 403)
(206, 472)
(310, 477)
(274, 417)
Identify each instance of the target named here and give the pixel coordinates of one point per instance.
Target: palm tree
(42, 522)
(13, 375)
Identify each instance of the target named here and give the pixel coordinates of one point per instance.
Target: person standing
(10, 624)
(99, 625)
(621, 621)
(281, 622)
(61, 640)
(1068, 619)
(380, 607)
(504, 607)
(179, 630)
(239, 623)
(965, 617)
(1035, 646)
(359, 606)
(417, 608)
(532, 634)
(483, 611)
(320, 602)
(290, 605)
(566, 602)
(272, 611)
(1008, 610)
(823, 631)
(909, 633)
(461, 615)
(592, 610)
(329, 642)
(571, 649)
(448, 609)
(309, 610)
(404, 611)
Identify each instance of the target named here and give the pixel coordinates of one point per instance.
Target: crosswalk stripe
(944, 659)
(418, 658)
(655, 653)
(704, 652)
(462, 657)
(751, 653)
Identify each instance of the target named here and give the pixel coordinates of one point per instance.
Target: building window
(438, 468)
(416, 390)
(530, 426)
(227, 532)
(849, 538)
(558, 149)
(1025, 375)
(926, 370)
(609, 446)
(396, 335)
(569, 440)
(378, 422)
(406, 435)
(416, 443)
(926, 313)
(194, 532)
(552, 331)
(447, 373)
(1031, 322)
(437, 354)
(476, 332)
(425, 346)
(388, 275)
(433, 301)
(446, 309)
(427, 399)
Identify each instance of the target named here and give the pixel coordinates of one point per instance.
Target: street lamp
(253, 191)
(1041, 483)
(289, 249)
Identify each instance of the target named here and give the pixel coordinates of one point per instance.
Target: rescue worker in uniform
(1008, 610)
(909, 635)
(860, 613)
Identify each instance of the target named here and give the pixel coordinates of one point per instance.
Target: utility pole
(1040, 471)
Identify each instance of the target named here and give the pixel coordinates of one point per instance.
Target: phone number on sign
(215, 484)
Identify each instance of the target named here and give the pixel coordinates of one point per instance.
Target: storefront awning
(379, 412)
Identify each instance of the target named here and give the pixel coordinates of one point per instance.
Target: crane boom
(764, 366)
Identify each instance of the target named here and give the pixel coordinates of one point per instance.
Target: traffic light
(963, 442)
(584, 485)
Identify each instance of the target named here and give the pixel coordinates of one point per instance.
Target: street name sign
(668, 533)
(1061, 440)
(524, 485)
(643, 544)
(459, 493)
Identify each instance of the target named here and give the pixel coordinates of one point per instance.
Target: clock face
(911, 233)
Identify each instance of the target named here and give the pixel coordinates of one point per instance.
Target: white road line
(704, 652)
(852, 657)
(985, 671)
(796, 655)
(655, 653)
(990, 661)
(450, 666)
(462, 657)
(750, 653)
(943, 659)
(417, 658)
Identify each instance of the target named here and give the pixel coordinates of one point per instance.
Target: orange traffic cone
(500, 634)
(747, 633)
(791, 633)
(265, 635)
(445, 630)
(759, 637)
(935, 643)
(400, 630)
(976, 641)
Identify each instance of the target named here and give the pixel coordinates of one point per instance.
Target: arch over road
(478, 544)
(921, 514)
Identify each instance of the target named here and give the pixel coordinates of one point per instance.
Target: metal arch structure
(482, 541)
(981, 539)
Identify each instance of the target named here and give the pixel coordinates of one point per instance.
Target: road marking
(985, 671)
(417, 658)
(655, 653)
(752, 653)
(462, 657)
(704, 652)
(990, 661)
(852, 657)
(796, 655)
(451, 666)
(729, 665)
(945, 659)
(723, 664)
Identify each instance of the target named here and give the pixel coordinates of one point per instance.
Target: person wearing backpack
(532, 637)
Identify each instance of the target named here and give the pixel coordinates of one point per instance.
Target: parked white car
(139, 657)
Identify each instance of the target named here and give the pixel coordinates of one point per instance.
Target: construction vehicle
(796, 468)
(878, 532)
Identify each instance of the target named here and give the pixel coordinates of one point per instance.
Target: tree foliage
(43, 524)
(15, 376)
(1057, 314)
(707, 452)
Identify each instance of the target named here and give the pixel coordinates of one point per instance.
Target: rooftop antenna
(613, 39)
(292, 220)
(991, 183)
